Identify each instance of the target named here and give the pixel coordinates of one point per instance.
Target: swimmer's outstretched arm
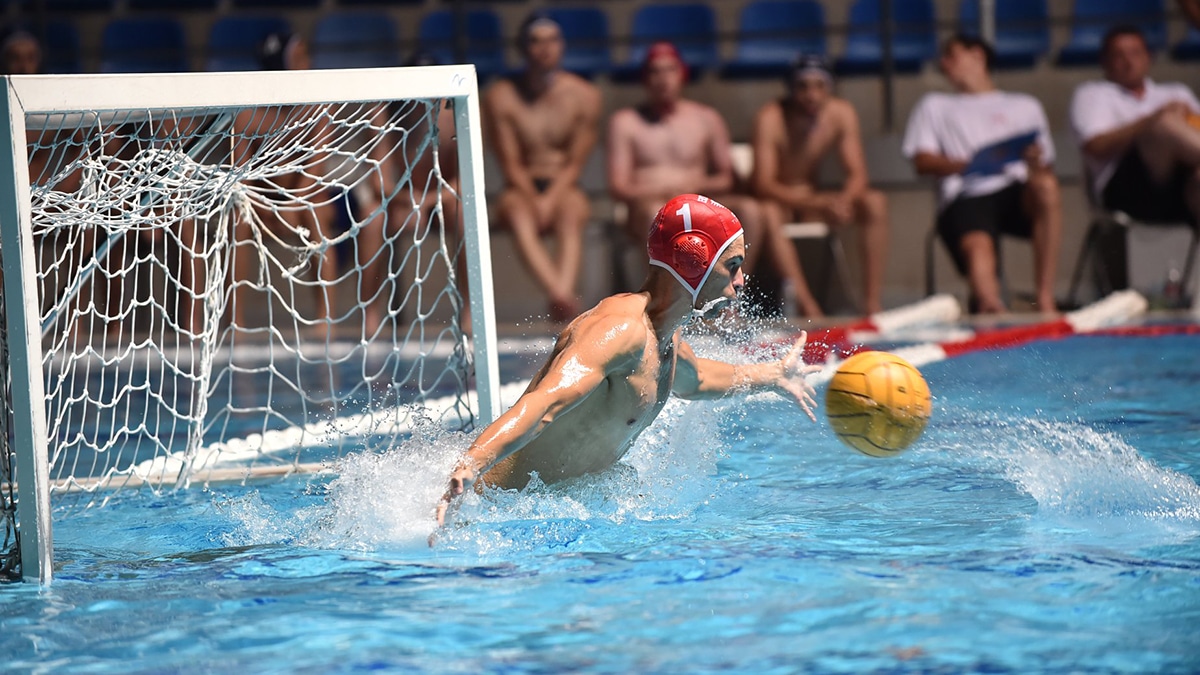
(593, 350)
(697, 378)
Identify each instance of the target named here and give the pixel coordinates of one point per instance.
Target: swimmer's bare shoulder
(609, 335)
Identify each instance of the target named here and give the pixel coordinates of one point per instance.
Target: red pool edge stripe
(1006, 338)
(1152, 330)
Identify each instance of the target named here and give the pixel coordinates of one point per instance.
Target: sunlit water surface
(1047, 521)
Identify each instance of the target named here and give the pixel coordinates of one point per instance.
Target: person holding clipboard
(992, 154)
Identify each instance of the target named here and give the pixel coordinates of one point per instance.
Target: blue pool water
(1048, 521)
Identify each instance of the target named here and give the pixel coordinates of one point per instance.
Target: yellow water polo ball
(878, 403)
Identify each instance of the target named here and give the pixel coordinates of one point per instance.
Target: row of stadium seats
(770, 33)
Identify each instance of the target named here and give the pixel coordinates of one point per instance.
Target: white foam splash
(385, 499)
(1077, 473)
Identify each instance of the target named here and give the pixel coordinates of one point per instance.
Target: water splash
(668, 473)
(385, 499)
(1076, 473)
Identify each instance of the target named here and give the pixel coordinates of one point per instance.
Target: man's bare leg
(193, 275)
(750, 212)
(1168, 143)
(872, 214)
(641, 216)
(574, 211)
(787, 261)
(521, 219)
(372, 260)
(1044, 205)
(321, 219)
(980, 252)
(243, 250)
(455, 239)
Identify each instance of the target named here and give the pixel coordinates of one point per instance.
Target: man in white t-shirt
(991, 153)
(1140, 138)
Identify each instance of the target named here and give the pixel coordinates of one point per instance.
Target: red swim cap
(661, 49)
(688, 235)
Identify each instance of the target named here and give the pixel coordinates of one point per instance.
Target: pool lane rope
(1109, 313)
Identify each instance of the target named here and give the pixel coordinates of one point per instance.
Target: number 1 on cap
(686, 212)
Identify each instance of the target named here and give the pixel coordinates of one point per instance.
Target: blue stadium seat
(61, 53)
(1022, 30)
(772, 33)
(143, 45)
(363, 3)
(485, 40)
(275, 4)
(1188, 49)
(174, 5)
(233, 41)
(80, 5)
(913, 42)
(691, 26)
(585, 30)
(1093, 17)
(355, 40)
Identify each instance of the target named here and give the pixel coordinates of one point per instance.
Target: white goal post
(214, 276)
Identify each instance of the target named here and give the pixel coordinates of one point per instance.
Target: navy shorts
(1000, 212)
(1132, 191)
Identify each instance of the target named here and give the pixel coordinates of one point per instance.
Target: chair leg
(930, 263)
(840, 267)
(1185, 290)
(1085, 253)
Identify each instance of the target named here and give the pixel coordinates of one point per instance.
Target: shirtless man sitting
(542, 126)
(670, 145)
(792, 136)
(613, 368)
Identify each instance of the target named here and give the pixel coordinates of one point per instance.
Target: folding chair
(1108, 224)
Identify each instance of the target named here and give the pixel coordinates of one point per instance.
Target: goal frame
(36, 94)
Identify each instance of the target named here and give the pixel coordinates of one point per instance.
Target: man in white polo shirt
(991, 153)
(1140, 138)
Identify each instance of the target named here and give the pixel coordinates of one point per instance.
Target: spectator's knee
(749, 211)
(1043, 185)
(976, 244)
(576, 208)
(514, 212)
(873, 203)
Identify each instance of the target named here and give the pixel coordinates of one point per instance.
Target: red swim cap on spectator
(688, 235)
(660, 49)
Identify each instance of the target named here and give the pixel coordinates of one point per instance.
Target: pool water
(1047, 521)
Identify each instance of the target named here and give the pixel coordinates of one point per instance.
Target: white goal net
(235, 275)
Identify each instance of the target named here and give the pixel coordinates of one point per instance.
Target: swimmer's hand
(792, 378)
(460, 481)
